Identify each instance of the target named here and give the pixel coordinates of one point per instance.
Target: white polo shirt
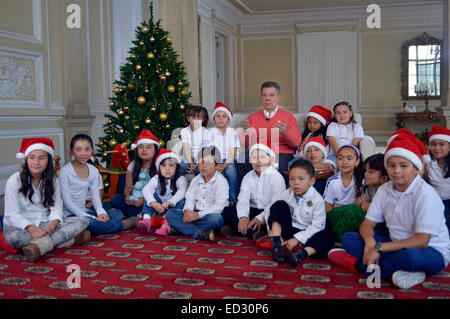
(224, 142)
(344, 134)
(153, 186)
(259, 191)
(436, 176)
(417, 210)
(130, 168)
(336, 193)
(207, 198)
(195, 139)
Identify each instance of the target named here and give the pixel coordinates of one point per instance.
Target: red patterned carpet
(128, 265)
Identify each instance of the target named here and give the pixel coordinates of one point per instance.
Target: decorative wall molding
(267, 28)
(19, 79)
(11, 134)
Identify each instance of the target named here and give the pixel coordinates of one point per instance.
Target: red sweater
(288, 142)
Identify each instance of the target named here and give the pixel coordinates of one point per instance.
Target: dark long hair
(46, 187)
(376, 162)
(352, 119)
(321, 132)
(82, 137)
(358, 172)
(173, 180)
(138, 165)
(446, 167)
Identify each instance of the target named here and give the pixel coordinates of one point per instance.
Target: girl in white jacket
(298, 217)
(33, 218)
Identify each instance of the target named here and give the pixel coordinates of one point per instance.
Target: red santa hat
(164, 154)
(403, 131)
(407, 147)
(266, 147)
(146, 137)
(439, 133)
(222, 107)
(318, 142)
(33, 144)
(322, 114)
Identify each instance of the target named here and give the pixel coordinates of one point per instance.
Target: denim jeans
(113, 225)
(447, 213)
(151, 211)
(231, 175)
(118, 202)
(427, 260)
(185, 165)
(210, 221)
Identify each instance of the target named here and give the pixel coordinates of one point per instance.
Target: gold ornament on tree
(183, 92)
(150, 55)
(141, 100)
(141, 43)
(148, 121)
(182, 106)
(109, 122)
(162, 77)
(167, 73)
(131, 86)
(171, 88)
(116, 90)
(163, 116)
(152, 39)
(126, 108)
(136, 127)
(169, 39)
(145, 29)
(162, 143)
(138, 67)
(153, 109)
(120, 112)
(112, 143)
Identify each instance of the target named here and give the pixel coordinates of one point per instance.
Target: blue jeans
(113, 225)
(210, 221)
(118, 202)
(427, 260)
(151, 211)
(231, 175)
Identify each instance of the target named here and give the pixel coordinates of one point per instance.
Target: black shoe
(172, 231)
(207, 235)
(293, 259)
(278, 255)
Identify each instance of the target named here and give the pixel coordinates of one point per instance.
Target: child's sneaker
(144, 226)
(207, 235)
(163, 230)
(342, 258)
(407, 279)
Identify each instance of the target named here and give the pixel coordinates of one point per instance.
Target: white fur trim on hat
(318, 145)
(403, 152)
(34, 147)
(144, 141)
(440, 137)
(320, 118)
(164, 156)
(223, 109)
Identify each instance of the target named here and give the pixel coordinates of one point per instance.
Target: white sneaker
(407, 279)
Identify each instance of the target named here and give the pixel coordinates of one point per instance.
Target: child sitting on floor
(417, 242)
(206, 198)
(297, 218)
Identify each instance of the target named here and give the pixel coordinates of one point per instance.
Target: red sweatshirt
(288, 142)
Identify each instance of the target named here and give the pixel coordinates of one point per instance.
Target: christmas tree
(152, 92)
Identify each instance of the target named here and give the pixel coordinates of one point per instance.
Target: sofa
(367, 145)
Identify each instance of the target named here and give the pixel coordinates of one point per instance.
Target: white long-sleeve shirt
(259, 191)
(307, 211)
(207, 198)
(75, 191)
(20, 212)
(153, 186)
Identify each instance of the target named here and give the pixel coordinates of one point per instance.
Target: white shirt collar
(213, 179)
(270, 115)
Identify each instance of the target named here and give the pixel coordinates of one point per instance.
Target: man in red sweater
(274, 123)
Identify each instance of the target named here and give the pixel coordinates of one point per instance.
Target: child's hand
(128, 201)
(291, 243)
(191, 169)
(220, 168)
(52, 226)
(103, 218)
(166, 205)
(243, 225)
(371, 257)
(139, 203)
(36, 232)
(255, 224)
(358, 201)
(190, 216)
(88, 205)
(158, 207)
